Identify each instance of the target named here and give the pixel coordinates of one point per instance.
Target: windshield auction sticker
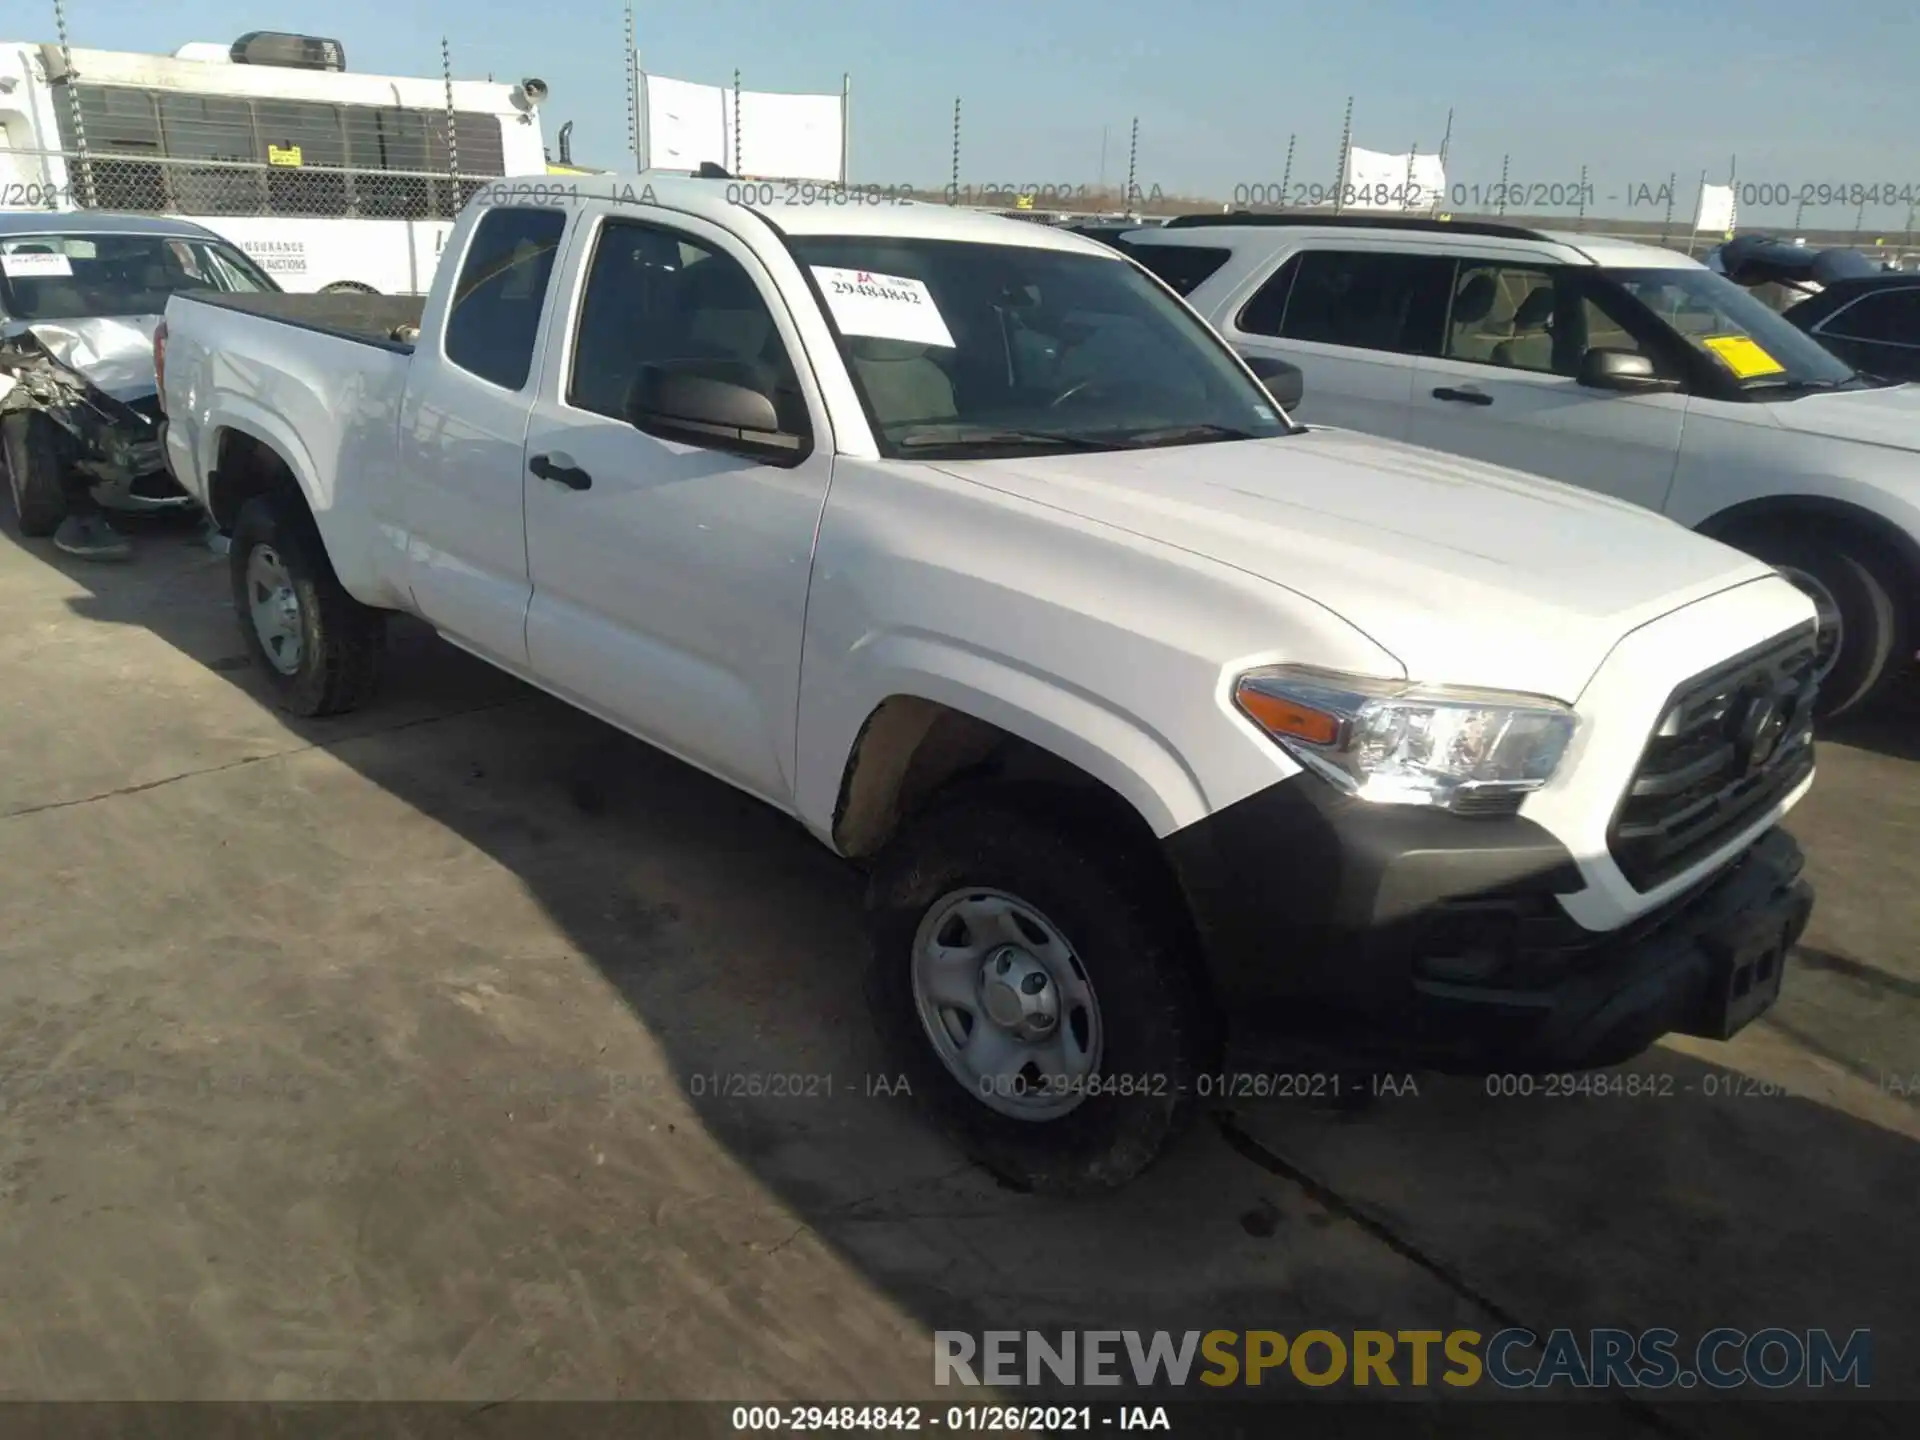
(882, 307)
(34, 265)
(1742, 356)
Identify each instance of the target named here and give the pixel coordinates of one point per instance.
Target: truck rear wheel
(1037, 994)
(1853, 588)
(320, 648)
(35, 470)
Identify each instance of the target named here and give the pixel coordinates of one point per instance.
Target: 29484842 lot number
(898, 1419)
(784, 1419)
(1840, 192)
(1585, 1084)
(873, 291)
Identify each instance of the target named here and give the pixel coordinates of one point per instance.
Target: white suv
(1614, 366)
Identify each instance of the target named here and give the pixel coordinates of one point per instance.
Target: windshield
(86, 277)
(1734, 329)
(964, 349)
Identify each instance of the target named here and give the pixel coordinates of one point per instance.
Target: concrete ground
(382, 1058)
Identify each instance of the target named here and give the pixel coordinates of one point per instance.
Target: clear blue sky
(1802, 92)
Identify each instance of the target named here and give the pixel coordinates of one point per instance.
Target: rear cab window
(493, 320)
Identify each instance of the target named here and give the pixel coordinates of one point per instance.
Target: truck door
(670, 578)
(463, 431)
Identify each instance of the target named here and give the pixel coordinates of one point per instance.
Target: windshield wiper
(988, 437)
(1175, 434)
(1802, 384)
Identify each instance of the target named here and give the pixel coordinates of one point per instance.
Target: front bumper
(135, 475)
(1416, 937)
(143, 492)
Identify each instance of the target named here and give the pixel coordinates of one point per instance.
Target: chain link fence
(150, 185)
(144, 183)
(1902, 250)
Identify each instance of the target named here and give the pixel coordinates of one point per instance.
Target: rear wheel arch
(247, 452)
(246, 466)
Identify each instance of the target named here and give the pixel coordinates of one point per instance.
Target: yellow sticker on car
(1741, 355)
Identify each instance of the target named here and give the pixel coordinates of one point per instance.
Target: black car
(1863, 312)
(1872, 323)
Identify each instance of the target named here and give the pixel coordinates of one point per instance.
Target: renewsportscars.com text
(1511, 1359)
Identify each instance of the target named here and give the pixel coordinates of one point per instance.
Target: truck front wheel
(1038, 993)
(319, 647)
(35, 467)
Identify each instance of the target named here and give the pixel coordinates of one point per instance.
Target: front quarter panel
(1735, 455)
(1113, 652)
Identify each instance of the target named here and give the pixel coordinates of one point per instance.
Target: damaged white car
(80, 297)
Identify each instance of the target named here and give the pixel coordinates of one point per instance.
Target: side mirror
(1284, 382)
(679, 403)
(1624, 371)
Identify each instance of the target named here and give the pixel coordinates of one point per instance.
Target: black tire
(36, 469)
(347, 287)
(1135, 949)
(342, 641)
(1865, 585)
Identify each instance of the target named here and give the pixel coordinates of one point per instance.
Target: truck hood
(113, 354)
(1888, 415)
(1468, 574)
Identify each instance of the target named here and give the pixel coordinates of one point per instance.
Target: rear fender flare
(237, 415)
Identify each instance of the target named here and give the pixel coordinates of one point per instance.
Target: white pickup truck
(1165, 728)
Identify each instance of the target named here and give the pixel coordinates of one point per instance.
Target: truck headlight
(1399, 743)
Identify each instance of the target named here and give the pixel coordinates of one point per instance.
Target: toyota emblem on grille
(1758, 731)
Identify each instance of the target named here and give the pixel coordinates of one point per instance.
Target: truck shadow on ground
(733, 939)
(1892, 728)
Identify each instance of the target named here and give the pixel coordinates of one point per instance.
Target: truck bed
(325, 378)
(368, 319)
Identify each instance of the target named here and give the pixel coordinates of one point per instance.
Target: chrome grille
(1730, 744)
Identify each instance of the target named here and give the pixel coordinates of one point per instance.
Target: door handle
(560, 469)
(1466, 397)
